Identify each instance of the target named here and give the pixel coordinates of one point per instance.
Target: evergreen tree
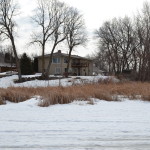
(26, 64)
(35, 65)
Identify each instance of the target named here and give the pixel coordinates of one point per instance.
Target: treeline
(124, 45)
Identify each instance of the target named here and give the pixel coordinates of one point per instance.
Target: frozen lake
(76, 126)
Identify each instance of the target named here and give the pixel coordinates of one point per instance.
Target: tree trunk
(43, 61)
(50, 62)
(16, 58)
(69, 58)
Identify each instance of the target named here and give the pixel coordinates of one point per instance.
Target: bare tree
(124, 44)
(76, 32)
(44, 19)
(117, 43)
(8, 10)
(60, 11)
(143, 51)
(108, 44)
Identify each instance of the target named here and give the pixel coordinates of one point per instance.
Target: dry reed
(63, 95)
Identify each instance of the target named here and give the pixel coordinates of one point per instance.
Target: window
(70, 70)
(57, 70)
(56, 60)
(65, 60)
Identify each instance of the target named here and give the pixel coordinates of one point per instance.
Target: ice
(76, 126)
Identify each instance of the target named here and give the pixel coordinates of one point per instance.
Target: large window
(70, 70)
(56, 60)
(57, 70)
(65, 60)
(65, 69)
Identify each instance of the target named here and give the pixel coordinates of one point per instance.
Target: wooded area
(124, 45)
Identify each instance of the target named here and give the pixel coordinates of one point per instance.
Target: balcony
(79, 65)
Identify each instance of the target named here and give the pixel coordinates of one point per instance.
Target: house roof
(59, 53)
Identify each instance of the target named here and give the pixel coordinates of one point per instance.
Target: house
(5, 64)
(80, 66)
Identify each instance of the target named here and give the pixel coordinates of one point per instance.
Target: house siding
(82, 71)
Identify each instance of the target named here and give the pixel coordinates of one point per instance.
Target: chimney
(59, 51)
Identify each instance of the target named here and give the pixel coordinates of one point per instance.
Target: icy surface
(76, 126)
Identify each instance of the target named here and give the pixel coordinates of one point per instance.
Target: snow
(76, 126)
(8, 81)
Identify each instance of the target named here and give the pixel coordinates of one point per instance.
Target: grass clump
(2, 102)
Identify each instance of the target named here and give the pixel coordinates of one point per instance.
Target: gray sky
(95, 12)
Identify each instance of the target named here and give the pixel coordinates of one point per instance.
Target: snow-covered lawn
(76, 126)
(8, 81)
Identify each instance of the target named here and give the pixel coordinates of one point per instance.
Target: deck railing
(79, 65)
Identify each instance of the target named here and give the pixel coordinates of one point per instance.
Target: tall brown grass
(63, 95)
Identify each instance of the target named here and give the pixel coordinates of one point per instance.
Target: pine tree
(26, 64)
(35, 65)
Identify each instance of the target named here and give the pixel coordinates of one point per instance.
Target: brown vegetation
(63, 95)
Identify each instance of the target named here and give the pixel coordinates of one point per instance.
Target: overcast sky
(95, 12)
